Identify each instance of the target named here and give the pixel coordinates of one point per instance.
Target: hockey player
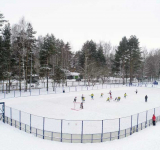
(92, 96)
(146, 97)
(110, 93)
(83, 100)
(101, 94)
(108, 99)
(125, 95)
(82, 97)
(75, 99)
(81, 105)
(119, 98)
(63, 90)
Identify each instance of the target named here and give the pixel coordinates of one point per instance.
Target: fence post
(92, 139)
(30, 123)
(36, 132)
(52, 136)
(3, 110)
(146, 118)
(61, 129)
(71, 138)
(119, 128)
(43, 126)
(11, 115)
(19, 120)
(102, 132)
(137, 121)
(131, 126)
(82, 133)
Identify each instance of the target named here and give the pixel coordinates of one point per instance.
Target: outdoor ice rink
(59, 106)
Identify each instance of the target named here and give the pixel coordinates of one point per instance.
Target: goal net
(76, 106)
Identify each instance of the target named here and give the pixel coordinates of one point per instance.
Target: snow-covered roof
(74, 74)
(34, 75)
(68, 73)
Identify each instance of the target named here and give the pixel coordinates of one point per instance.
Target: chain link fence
(80, 131)
(56, 90)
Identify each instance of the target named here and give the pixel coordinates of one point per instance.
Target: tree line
(22, 54)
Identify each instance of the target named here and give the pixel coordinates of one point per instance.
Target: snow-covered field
(55, 107)
(58, 106)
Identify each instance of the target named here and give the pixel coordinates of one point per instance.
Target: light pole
(31, 71)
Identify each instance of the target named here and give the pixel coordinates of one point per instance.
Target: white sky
(77, 21)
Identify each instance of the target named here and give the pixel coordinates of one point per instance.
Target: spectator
(146, 97)
(154, 120)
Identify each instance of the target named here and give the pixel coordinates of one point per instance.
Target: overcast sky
(77, 21)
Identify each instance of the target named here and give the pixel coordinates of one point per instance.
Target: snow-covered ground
(13, 139)
(58, 106)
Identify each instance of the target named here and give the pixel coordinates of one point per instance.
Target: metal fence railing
(80, 131)
(14, 86)
(56, 90)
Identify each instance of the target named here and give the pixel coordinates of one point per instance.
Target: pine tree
(100, 56)
(30, 46)
(48, 49)
(68, 56)
(7, 53)
(134, 56)
(87, 58)
(88, 50)
(121, 57)
(1, 58)
(58, 74)
(1, 21)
